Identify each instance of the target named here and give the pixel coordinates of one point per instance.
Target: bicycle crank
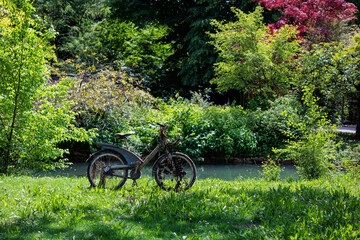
(135, 174)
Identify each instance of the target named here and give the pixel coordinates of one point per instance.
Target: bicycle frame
(140, 165)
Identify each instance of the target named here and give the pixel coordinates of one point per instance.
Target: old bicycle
(113, 165)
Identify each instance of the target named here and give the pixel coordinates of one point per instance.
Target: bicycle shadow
(237, 213)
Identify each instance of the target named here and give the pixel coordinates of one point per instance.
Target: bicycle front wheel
(178, 174)
(99, 172)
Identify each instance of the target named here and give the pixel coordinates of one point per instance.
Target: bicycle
(110, 166)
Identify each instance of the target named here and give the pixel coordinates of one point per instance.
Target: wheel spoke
(99, 172)
(177, 176)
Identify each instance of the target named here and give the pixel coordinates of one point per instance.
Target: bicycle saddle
(123, 135)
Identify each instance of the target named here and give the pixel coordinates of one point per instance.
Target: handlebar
(161, 125)
(163, 137)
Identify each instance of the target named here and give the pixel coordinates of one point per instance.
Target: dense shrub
(112, 101)
(272, 126)
(229, 134)
(207, 131)
(213, 131)
(107, 100)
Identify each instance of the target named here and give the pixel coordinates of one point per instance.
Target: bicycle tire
(96, 167)
(178, 178)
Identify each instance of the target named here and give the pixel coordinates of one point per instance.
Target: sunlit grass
(66, 208)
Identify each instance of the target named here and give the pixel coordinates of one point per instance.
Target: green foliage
(230, 136)
(142, 49)
(272, 126)
(187, 118)
(192, 59)
(208, 131)
(315, 150)
(253, 59)
(348, 160)
(271, 171)
(357, 43)
(49, 123)
(107, 100)
(34, 117)
(75, 22)
(86, 33)
(332, 70)
(230, 131)
(66, 208)
(213, 130)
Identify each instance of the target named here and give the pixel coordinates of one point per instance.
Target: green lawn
(66, 208)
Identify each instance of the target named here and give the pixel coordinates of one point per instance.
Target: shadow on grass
(224, 213)
(89, 224)
(276, 212)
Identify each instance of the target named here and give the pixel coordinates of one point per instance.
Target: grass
(66, 208)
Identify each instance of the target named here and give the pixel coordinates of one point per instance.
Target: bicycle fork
(176, 171)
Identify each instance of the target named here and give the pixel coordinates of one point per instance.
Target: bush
(271, 171)
(273, 127)
(315, 150)
(207, 130)
(229, 131)
(348, 160)
(108, 100)
(230, 136)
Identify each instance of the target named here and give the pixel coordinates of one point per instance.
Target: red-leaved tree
(315, 18)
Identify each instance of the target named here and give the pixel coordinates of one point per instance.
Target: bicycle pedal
(134, 183)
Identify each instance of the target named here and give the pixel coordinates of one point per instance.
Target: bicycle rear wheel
(178, 174)
(98, 170)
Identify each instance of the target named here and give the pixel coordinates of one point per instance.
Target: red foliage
(314, 17)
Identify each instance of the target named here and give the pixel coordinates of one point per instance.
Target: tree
(253, 58)
(315, 18)
(107, 100)
(87, 34)
(141, 49)
(75, 22)
(357, 14)
(34, 117)
(330, 69)
(356, 63)
(190, 66)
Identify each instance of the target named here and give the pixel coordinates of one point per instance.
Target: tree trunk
(4, 162)
(357, 134)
